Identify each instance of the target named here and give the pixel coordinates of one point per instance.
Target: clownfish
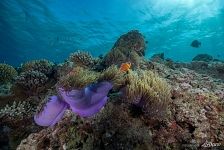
(125, 67)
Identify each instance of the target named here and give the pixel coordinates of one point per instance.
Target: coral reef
(203, 57)
(7, 73)
(155, 104)
(17, 111)
(16, 123)
(82, 59)
(130, 47)
(31, 82)
(42, 66)
(158, 57)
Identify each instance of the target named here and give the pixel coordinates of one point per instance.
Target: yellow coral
(7, 73)
(78, 78)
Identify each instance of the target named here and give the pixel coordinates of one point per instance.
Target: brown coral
(44, 66)
(7, 73)
(31, 82)
(129, 47)
(82, 59)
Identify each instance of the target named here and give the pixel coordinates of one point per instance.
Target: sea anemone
(114, 75)
(78, 78)
(7, 73)
(84, 102)
(148, 92)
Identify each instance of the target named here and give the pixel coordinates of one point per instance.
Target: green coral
(7, 73)
(43, 66)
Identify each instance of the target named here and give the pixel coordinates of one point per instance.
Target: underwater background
(111, 75)
(52, 29)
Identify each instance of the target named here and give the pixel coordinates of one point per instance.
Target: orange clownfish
(125, 67)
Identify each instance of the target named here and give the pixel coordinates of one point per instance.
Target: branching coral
(43, 66)
(78, 78)
(18, 110)
(82, 59)
(7, 73)
(32, 82)
(149, 92)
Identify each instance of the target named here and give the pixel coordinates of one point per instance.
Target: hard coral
(82, 59)
(18, 110)
(42, 66)
(32, 82)
(129, 47)
(148, 92)
(7, 73)
(78, 78)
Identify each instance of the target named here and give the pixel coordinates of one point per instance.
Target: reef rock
(203, 57)
(130, 47)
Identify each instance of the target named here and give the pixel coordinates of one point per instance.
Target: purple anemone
(52, 112)
(85, 102)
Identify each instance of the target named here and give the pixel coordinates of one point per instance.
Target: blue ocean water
(52, 29)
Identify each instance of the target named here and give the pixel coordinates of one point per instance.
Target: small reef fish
(196, 44)
(125, 67)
